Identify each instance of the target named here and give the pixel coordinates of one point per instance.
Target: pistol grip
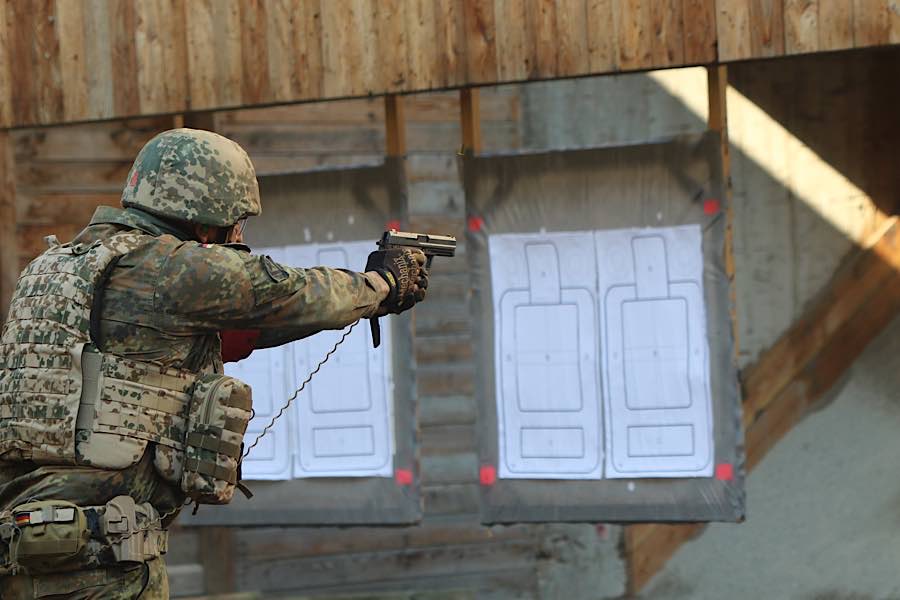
(375, 327)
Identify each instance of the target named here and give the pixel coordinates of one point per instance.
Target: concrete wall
(822, 522)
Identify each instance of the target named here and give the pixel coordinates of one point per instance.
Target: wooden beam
(205, 120)
(717, 84)
(717, 120)
(470, 118)
(649, 546)
(840, 334)
(217, 557)
(779, 389)
(394, 126)
(9, 247)
(199, 120)
(852, 287)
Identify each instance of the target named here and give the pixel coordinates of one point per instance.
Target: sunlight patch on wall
(781, 154)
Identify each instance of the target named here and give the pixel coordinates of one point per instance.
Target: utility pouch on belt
(133, 531)
(218, 417)
(52, 534)
(55, 535)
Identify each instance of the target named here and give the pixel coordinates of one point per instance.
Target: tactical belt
(56, 535)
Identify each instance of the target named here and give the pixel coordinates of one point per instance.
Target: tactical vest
(64, 402)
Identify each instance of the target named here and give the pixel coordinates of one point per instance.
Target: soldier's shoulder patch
(275, 271)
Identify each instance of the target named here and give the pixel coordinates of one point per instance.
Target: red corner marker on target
(403, 476)
(711, 206)
(487, 475)
(475, 224)
(724, 472)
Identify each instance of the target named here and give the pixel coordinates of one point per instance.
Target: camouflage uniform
(166, 303)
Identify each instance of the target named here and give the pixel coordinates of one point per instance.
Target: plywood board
(350, 206)
(511, 195)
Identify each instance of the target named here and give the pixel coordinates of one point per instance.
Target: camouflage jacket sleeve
(211, 288)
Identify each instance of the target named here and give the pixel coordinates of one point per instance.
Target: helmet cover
(195, 176)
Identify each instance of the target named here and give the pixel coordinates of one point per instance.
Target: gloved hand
(404, 271)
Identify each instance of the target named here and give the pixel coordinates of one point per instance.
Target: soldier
(113, 407)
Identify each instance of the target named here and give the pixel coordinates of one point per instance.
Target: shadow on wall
(856, 93)
(796, 214)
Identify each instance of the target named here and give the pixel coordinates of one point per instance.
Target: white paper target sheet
(601, 354)
(341, 424)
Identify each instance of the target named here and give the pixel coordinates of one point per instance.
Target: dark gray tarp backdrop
(665, 183)
(319, 207)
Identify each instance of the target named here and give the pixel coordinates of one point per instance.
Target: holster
(133, 531)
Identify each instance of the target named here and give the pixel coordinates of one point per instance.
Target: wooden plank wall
(9, 251)
(767, 28)
(351, 132)
(61, 174)
(77, 60)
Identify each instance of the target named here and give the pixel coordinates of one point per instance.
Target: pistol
(432, 245)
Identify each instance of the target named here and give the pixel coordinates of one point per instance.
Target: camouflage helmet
(195, 176)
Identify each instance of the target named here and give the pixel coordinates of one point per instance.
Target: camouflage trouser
(146, 581)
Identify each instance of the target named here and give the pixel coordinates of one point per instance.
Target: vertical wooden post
(394, 126)
(717, 80)
(470, 117)
(198, 120)
(217, 557)
(195, 120)
(648, 547)
(9, 245)
(717, 86)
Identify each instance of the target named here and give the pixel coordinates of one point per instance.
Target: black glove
(405, 273)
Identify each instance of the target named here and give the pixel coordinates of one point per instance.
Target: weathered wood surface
(863, 297)
(61, 175)
(317, 135)
(470, 119)
(394, 126)
(78, 60)
(9, 257)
